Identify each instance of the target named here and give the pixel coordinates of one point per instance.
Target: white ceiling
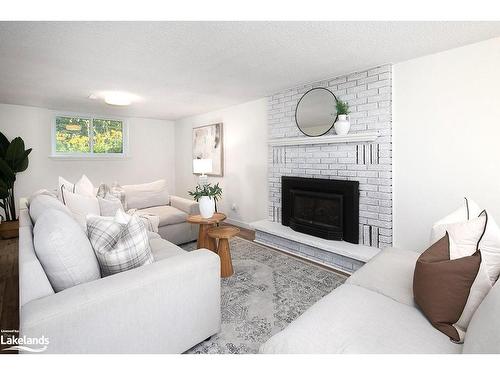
(186, 68)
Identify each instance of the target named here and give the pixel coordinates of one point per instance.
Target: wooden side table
(223, 234)
(205, 224)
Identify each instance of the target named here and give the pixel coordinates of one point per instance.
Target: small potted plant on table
(13, 159)
(207, 196)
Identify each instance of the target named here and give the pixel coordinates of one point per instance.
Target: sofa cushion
(353, 319)
(64, 250)
(483, 333)
(168, 215)
(42, 203)
(163, 249)
(389, 273)
(146, 195)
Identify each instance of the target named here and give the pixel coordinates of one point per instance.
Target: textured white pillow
(80, 206)
(109, 205)
(467, 211)
(120, 243)
(64, 250)
(147, 195)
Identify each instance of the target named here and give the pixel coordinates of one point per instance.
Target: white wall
(446, 127)
(151, 156)
(245, 159)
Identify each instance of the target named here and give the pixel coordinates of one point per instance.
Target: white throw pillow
(109, 205)
(147, 195)
(467, 211)
(83, 186)
(490, 250)
(464, 237)
(80, 206)
(69, 186)
(64, 250)
(120, 243)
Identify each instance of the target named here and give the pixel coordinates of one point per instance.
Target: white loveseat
(165, 307)
(172, 211)
(374, 312)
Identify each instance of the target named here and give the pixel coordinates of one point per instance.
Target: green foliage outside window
(108, 136)
(73, 136)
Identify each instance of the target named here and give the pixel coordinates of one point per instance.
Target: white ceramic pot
(342, 125)
(207, 207)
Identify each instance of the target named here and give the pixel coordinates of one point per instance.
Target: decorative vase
(342, 125)
(207, 207)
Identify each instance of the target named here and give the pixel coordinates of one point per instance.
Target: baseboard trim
(238, 223)
(306, 258)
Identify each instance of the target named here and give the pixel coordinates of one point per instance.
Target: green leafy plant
(207, 190)
(13, 159)
(342, 108)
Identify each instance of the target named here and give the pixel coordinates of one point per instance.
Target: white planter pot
(342, 125)
(207, 207)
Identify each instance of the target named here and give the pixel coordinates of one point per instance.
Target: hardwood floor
(246, 234)
(9, 287)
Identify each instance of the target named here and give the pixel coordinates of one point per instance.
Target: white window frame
(91, 154)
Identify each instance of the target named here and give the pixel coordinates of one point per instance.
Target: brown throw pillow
(441, 286)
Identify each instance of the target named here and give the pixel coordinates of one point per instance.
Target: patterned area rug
(268, 290)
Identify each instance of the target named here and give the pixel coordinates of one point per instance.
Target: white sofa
(173, 219)
(165, 307)
(374, 312)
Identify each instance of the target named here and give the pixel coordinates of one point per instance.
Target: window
(88, 136)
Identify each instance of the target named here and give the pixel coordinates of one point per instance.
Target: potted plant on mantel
(342, 125)
(13, 159)
(207, 196)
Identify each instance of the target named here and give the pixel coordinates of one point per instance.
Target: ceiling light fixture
(118, 98)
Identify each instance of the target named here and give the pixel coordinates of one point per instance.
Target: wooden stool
(205, 224)
(223, 234)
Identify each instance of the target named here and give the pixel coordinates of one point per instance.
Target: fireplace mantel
(349, 138)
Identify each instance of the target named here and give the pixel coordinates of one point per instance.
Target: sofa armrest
(187, 205)
(165, 307)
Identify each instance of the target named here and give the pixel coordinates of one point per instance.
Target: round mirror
(316, 112)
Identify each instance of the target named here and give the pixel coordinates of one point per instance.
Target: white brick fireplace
(365, 155)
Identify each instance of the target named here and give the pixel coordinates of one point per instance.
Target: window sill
(89, 157)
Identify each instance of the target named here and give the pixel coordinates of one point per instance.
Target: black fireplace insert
(321, 207)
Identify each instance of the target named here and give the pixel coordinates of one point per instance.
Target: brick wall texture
(370, 99)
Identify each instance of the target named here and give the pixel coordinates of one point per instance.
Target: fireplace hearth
(323, 208)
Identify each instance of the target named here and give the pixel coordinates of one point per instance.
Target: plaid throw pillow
(120, 243)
